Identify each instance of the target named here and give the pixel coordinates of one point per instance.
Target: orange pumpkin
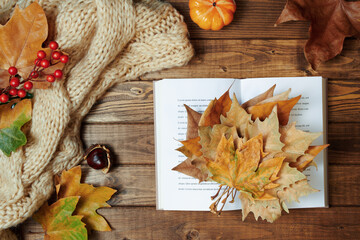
(212, 14)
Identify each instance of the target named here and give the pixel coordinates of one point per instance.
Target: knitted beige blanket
(108, 41)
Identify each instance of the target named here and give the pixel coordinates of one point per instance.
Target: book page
(308, 115)
(177, 191)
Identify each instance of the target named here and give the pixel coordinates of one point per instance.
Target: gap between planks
(147, 223)
(136, 185)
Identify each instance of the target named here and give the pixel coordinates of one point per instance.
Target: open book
(176, 191)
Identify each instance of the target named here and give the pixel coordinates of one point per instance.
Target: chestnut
(98, 157)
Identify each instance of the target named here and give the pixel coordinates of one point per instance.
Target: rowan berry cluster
(19, 86)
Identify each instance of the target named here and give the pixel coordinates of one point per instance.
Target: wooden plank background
(250, 47)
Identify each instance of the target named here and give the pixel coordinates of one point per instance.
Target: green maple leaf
(57, 221)
(11, 121)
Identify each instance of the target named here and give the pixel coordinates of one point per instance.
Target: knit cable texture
(108, 42)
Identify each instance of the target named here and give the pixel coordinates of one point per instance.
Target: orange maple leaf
(20, 40)
(262, 111)
(215, 109)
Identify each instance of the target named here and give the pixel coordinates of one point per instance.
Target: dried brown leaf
(296, 141)
(263, 110)
(216, 108)
(193, 170)
(193, 119)
(269, 129)
(237, 117)
(306, 160)
(22, 37)
(331, 22)
(265, 95)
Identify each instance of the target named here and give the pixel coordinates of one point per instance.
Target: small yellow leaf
(11, 121)
(91, 198)
(191, 147)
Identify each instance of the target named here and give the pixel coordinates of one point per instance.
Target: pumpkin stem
(214, 4)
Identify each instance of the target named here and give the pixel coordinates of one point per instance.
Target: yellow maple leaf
(241, 168)
(91, 198)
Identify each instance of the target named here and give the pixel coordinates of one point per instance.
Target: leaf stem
(227, 191)
(213, 197)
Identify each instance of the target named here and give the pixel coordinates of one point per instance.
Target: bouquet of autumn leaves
(250, 149)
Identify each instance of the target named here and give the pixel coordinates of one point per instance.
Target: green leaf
(11, 121)
(10, 139)
(57, 221)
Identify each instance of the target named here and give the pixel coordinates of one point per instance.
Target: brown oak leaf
(331, 22)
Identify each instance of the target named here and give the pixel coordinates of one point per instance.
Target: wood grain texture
(129, 143)
(261, 58)
(134, 143)
(252, 19)
(147, 223)
(249, 47)
(136, 184)
(132, 102)
(126, 102)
